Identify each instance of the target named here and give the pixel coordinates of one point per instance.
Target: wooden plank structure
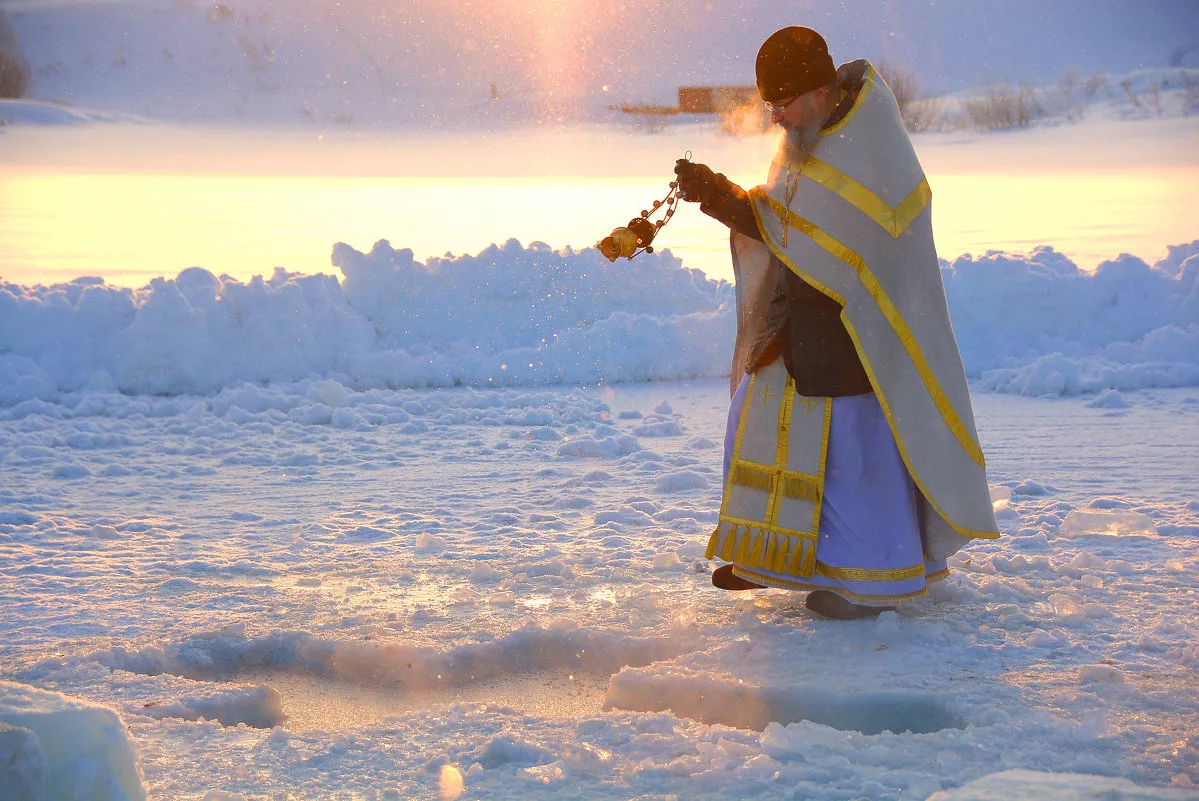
(716, 99)
(739, 107)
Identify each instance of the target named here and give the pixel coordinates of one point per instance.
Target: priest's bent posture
(852, 464)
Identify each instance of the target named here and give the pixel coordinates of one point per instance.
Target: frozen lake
(129, 203)
(454, 586)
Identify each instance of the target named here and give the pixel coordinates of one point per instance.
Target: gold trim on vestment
(866, 574)
(940, 575)
(889, 310)
(867, 85)
(892, 219)
(767, 580)
(828, 428)
(780, 454)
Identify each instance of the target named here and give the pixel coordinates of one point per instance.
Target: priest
(853, 468)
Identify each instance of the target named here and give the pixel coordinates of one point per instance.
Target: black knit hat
(791, 62)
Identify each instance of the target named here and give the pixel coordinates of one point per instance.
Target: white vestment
(853, 221)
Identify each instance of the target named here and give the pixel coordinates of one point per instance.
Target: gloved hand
(697, 182)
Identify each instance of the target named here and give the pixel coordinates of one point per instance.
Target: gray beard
(799, 141)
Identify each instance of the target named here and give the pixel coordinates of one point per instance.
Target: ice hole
(745, 706)
(313, 702)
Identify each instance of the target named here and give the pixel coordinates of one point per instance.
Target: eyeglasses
(779, 109)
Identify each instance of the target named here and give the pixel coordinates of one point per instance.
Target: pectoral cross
(791, 183)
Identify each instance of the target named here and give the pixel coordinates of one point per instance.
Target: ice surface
(412, 593)
(82, 749)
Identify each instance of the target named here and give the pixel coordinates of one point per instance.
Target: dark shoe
(724, 578)
(830, 604)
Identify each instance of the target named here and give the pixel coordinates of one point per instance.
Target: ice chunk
(450, 783)
(681, 481)
(1108, 399)
(22, 764)
(484, 572)
(508, 748)
(1031, 488)
(259, 706)
(430, 543)
(1030, 785)
(88, 754)
(1107, 522)
(667, 560)
(1100, 674)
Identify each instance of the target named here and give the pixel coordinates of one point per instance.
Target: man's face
(801, 112)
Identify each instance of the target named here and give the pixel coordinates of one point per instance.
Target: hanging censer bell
(637, 237)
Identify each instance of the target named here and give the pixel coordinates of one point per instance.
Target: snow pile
(1037, 325)
(517, 316)
(64, 748)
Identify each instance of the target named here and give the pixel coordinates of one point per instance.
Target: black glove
(697, 182)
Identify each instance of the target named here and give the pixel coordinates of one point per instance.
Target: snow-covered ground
(409, 530)
(434, 527)
(359, 560)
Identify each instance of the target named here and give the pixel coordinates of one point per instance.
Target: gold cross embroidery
(766, 394)
(807, 403)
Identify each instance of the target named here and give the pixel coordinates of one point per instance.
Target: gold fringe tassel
(809, 562)
(763, 479)
(765, 550)
(800, 488)
(795, 565)
(730, 542)
(755, 555)
(780, 556)
(752, 476)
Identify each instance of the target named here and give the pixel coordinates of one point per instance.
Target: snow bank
(64, 748)
(1038, 325)
(514, 316)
